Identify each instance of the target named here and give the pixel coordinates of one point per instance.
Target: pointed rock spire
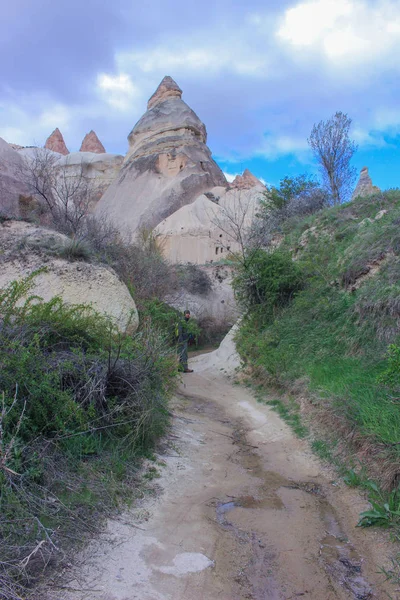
(245, 181)
(91, 143)
(55, 142)
(168, 88)
(365, 187)
(167, 165)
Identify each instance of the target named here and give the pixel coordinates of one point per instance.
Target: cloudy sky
(258, 73)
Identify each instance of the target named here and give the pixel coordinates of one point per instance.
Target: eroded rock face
(55, 142)
(11, 186)
(26, 248)
(246, 181)
(365, 187)
(204, 232)
(168, 164)
(218, 308)
(99, 169)
(91, 143)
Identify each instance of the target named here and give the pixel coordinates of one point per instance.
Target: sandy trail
(246, 511)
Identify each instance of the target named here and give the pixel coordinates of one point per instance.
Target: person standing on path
(183, 339)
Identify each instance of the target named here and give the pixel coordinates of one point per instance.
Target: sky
(258, 73)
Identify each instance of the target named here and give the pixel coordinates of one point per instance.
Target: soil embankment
(244, 511)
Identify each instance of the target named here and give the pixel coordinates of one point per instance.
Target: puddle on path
(338, 556)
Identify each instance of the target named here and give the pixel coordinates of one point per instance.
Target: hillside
(334, 339)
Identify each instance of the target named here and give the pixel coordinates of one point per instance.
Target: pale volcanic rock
(25, 248)
(168, 164)
(202, 232)
(91, 143)
(100, 169)
(11, 186)
(364, 186)
(55, 142)
(246, 181)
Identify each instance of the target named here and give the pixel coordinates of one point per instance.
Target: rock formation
(168, 164)
(100, 169)
(365, 187)
(91, 143)
(204, 231)
(217, 309)
(11, 186)
(246, 181)
(25, 248)
(55, 142)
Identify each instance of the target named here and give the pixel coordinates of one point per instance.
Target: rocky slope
(168, 164)
(25, 248)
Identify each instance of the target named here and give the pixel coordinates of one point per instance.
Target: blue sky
(259, 74)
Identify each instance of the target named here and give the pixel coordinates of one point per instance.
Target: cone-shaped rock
(365, 187)
(168, 88)
(168, 164)
(246, 181)
(55, 142)
(91, 143)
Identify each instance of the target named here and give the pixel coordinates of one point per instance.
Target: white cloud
(345, 31)
(57, 115)
(118, 90)
(308, 22)
(229, 55)
(275, 145)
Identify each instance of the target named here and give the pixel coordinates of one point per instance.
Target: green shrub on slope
(79, 403)
(335, 331)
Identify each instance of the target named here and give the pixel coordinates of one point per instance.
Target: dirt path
(246, 511)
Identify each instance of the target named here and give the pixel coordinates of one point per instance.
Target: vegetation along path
(244, 510)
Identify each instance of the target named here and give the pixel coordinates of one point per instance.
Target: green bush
(334, 337)
(270, 279)
(79, 403)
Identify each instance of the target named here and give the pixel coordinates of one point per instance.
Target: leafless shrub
(193, 279)
(235, 219)
(140, 264)
(66, 197)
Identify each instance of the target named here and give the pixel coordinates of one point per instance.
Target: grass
(335, 332)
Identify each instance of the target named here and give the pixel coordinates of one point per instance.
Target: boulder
(168, 164)
(364, 186)
(11, 184)
(55, 142)
(91, 143)
(25, 248)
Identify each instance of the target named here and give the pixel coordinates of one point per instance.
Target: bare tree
(65, 193)
(333, 150)
(235, 219)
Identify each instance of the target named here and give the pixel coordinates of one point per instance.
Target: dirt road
(244, 511)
